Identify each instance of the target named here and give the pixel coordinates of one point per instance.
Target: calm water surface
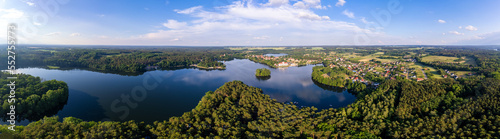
(91, 94)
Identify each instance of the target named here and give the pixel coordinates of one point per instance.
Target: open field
(415, 48)
(460, 73)
(374, 56)
(418, 68)
(356, 57)
(52, 67)
(317, 48)
(114, 55)
(44, 50)
(439, 58)
(470, 61)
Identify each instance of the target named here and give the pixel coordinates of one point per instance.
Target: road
(425, 75)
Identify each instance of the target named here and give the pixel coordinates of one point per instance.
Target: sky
(253, 22)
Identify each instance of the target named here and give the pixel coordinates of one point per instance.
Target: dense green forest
(336, 77)
(262, 72)
(122, 59)
(34, 99)
(396, 109)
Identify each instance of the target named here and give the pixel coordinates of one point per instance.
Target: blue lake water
(166, 93)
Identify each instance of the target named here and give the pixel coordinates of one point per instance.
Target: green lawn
(460, 73)
(52, 67)
(439, 58)
(419, 66)
(470, 61)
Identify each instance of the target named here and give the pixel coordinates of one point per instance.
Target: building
(419, 79)
(281, 64)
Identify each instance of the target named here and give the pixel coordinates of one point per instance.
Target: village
(403, 68)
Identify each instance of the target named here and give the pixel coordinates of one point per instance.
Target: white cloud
(30, 3)
(491, 38)
(441, 21)
(456, 33)
(300, 5)
(10, 13)
(470, 28)
(277, 3)
(340, 3)
(363, 19)
(53, 34)
(348, 14)
(459, 27)
(174, 24)
(189, 10)
(231, 24)
(306, 4)
(74, 34)
(261, 38)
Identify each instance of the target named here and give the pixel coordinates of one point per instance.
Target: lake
(168, 93)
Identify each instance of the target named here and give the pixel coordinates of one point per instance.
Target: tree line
(34, 99)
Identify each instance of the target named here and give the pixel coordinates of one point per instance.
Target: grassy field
(415, 48)
(357, 57)
(418, 68)
(52, 67)
(43, 50)
(317, 48)
(439, 58)
(460, 73)
(470, 61)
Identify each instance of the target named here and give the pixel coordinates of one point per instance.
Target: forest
(123, 60)
(34, 99)
(336, 77)
(262, 72)
(396, 109)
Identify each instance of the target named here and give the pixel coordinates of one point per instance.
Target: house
(332, 66)
(151, 67)
(445, 76)
(419, 79)
(283, 64)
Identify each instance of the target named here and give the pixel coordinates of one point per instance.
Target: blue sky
(254, 23)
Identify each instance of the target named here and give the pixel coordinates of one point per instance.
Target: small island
(210, 64)
(263, 72)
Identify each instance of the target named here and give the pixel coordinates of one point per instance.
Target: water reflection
(263, 78)
(91, 93)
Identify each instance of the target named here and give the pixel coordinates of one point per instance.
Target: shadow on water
(328, 88)
(82, 105)
(263, 78)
